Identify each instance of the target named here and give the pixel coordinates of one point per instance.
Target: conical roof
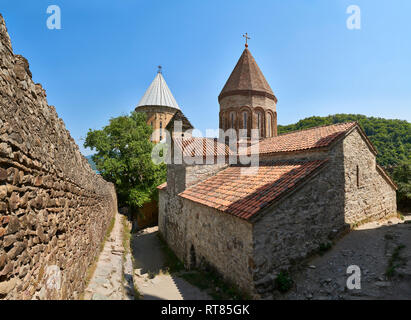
(158, 94)
(247, 78)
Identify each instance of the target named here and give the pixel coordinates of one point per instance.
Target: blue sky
(100, 63)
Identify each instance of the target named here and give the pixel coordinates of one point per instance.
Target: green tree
(124, 158)
(402, 176)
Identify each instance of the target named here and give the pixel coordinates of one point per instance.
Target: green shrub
(283, 282)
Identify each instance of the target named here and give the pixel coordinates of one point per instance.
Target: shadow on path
(149, 263)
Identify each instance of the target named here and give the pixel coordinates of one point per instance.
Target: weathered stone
(16, 250)
(7, 286)
(9, 240)
(3, 174)
(8, 268)
(13, 226)
(3, 192)
(3, 259)
(41, 235)
(4, 220)
(14, 201)
(3, 207)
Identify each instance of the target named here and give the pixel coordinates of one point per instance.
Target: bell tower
(247, 100)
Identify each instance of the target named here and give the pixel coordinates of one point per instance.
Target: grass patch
(126, 236)
(324, 247)
(395, 261)
(283, 282)
(400, 216)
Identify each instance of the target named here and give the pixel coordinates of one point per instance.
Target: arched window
(232, 120)
(260, 123)
(161, 130)
(245, 115)
(269, 125)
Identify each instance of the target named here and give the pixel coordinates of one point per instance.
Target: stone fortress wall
(54, 210)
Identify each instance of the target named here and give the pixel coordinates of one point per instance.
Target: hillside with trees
(392, 139)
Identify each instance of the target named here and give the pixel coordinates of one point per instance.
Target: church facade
(310, 187)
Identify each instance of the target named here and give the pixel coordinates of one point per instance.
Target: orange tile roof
(192, 147)
(243, 195)
(305, 139)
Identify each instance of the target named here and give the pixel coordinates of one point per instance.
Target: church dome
(247, 79)
(158, 94)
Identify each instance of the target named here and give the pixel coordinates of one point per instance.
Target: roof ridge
(312, 128)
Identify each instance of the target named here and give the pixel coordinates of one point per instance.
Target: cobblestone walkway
(110, 280)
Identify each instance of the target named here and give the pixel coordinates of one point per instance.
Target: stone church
(310, 186)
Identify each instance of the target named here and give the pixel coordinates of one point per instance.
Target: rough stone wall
(371, 196)
(54, 210)
(157, 115)
(171, 215)
(215, 239)
(290, 230)
(197, 173)
(219, 240)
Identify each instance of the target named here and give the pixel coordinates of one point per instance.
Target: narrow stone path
(111, 278)
(152, 283)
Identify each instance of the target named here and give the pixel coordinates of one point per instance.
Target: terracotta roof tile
(305, 139)
(192, 147)
(243, 195)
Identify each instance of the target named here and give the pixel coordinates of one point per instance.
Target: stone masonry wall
(171, 216)
(54, 210)
(291, 229)
(219, 240)
(370, 196)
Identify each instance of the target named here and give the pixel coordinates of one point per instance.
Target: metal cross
(159, 69)
(246, 39)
